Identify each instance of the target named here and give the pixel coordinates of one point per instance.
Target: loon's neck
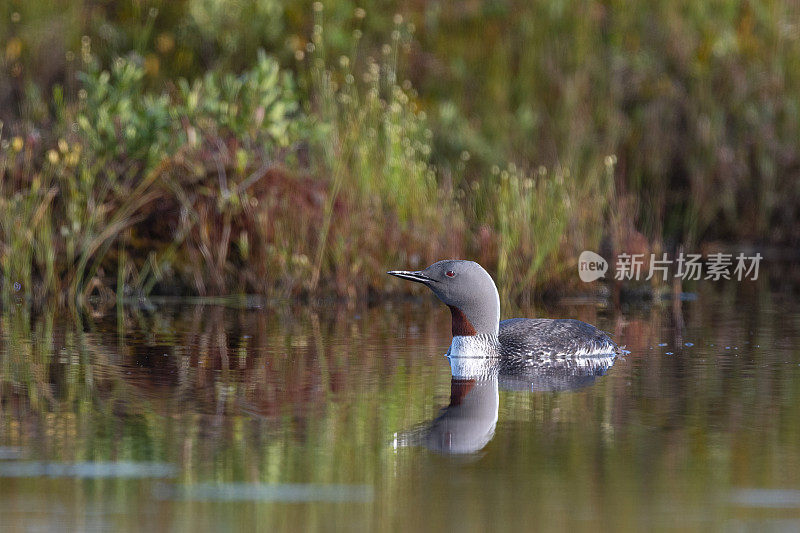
(470, 320)
(474, 355)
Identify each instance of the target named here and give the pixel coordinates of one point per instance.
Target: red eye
(449, 273)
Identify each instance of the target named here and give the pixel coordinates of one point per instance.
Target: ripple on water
(87, 470)
(766, 498)
(11, 452)
(266, 492)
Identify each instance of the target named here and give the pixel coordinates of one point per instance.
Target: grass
(222, 184)
(142, 152)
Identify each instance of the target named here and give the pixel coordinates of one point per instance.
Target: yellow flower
(63, 146)
(17, 144)
(13, 49)
(52, 156)
(165, 43)
(151, 64)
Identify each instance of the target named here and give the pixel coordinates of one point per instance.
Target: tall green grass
(697, 101)
(138, 175)
(226, 183)
(375, 147)
(151, 153)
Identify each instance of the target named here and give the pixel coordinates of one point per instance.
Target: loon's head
(467, 289)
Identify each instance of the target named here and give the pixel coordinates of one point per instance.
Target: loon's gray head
(467, 289)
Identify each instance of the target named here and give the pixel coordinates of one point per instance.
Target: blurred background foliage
(217, 146)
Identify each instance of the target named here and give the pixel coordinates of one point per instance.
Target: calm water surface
(201, 417)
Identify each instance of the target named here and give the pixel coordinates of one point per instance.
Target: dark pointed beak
(417, 276)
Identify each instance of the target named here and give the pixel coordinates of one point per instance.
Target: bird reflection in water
(468, 423)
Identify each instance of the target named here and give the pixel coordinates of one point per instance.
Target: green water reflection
(284, 419)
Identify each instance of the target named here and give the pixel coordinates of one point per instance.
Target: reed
(134, 162)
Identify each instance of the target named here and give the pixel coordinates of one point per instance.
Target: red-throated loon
(481, 340)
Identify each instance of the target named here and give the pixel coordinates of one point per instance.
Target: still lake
(279, 417)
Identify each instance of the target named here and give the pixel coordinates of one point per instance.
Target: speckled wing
(566, 340)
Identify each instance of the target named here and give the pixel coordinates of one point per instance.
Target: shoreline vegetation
(208, 148)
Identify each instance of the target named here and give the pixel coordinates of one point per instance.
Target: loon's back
(544, 338)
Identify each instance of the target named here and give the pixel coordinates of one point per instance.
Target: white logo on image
(591, 266)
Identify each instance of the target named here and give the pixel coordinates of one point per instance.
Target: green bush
(181, 154)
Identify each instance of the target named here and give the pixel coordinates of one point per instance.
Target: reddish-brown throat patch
(459, 388)
(461, 325)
